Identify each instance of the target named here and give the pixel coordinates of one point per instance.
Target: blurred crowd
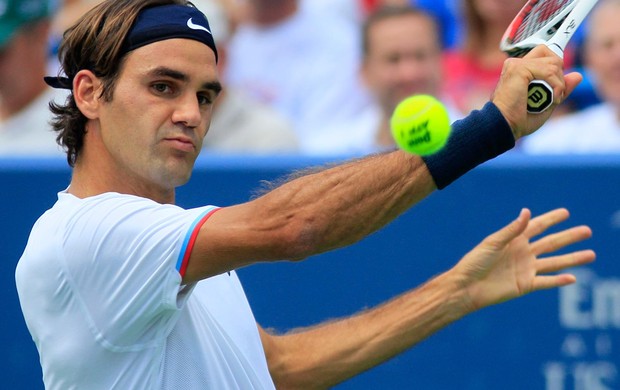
(322, 77)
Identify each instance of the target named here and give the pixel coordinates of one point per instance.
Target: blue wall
(560, 339)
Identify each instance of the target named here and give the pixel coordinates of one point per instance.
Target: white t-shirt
(595, 130)
(100, 288)
(307, 68)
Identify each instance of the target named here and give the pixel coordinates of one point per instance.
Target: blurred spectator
(595, 129)
(447, 15)
(24, 97)
(240, 124)
(444, 11)
(70, 11)
(304, 64)
(402, 57)
(351, 11)
(67, 14)
(473, 67)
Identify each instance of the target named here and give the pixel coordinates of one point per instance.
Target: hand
(510, 95)
(506, 265)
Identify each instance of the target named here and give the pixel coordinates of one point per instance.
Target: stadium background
(553, 340)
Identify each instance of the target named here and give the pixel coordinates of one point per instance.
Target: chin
(173, 178)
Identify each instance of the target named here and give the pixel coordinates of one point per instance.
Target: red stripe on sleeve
(192, 241)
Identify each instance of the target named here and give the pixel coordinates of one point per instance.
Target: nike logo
(195, 26)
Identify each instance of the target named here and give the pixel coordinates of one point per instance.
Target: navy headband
(157, 24)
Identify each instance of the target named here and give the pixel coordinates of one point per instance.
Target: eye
(205, 99)
(393, 58)
(161, 88)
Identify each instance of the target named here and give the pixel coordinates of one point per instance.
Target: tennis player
(122, 289)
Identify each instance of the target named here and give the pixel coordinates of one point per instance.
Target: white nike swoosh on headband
(195, 26)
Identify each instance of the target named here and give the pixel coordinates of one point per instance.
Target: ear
(222, 62)
(363, 72)
(86, 92)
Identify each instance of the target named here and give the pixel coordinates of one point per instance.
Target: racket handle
(539, 96)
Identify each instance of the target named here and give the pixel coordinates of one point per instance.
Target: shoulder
(115, 214)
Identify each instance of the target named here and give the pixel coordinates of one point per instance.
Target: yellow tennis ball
(420, 124)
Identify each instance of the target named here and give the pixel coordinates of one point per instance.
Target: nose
(411, 70)
(187, 111)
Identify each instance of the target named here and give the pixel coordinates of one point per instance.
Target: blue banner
(566, 339)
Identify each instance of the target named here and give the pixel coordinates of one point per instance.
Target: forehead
(411, 29)
(604, 20)
(190, 57)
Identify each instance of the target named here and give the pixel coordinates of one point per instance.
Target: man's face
(602, 52)
(152, 129)
(404, 58)
(21, 61)
(500, 12)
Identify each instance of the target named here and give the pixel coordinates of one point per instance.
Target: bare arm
(503, 266)
(312, 214)
(341, 205)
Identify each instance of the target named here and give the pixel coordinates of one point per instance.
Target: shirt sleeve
(124, 256)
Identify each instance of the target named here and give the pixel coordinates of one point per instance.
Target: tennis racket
(548, 22)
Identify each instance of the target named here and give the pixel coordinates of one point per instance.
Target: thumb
(572, 80)
(504, 236)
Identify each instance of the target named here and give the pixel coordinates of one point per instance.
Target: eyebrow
(214, 86)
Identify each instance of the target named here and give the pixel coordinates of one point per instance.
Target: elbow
(299, 241)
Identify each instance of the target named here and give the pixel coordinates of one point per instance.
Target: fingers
(553, 281)
(558, 263)
(511, 93)
(563, 86)
(543, 222)
(541, 51)
(561, 262)
(557, 241)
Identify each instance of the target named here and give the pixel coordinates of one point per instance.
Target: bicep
(237, 236)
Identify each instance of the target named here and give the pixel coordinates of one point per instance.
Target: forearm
(311, 214)
(328, 354)
(341, 205)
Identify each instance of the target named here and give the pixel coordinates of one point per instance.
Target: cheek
(126, 129)
(386, 79)
(607, 74)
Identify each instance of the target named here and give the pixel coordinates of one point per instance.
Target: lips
(182, 143)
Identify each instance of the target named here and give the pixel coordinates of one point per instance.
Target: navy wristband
(481, 136)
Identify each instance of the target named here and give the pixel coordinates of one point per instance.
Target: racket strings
(539, 16)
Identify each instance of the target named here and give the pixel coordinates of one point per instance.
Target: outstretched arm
(505, 265)
(339, 206)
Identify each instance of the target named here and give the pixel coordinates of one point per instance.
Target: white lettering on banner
(574, 346)
(591, 303)
(589, 311)
(600, 375)
(615, 220)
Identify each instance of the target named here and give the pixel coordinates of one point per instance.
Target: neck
(96, 172)
(383, 138)
(86, 182)
(485, 44)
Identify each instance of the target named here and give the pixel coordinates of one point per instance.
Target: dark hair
(94, 43)
(389, 12)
